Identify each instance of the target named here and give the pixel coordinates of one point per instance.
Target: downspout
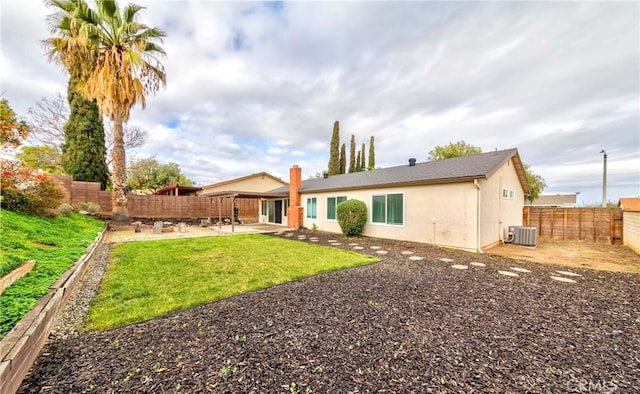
(478, 248)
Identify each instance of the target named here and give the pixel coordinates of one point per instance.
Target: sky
(255, 87)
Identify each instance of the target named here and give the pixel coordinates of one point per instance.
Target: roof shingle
(440, 171)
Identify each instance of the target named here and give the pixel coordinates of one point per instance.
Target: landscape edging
(21, 346)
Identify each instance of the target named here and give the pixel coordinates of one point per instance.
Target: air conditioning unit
(519, 235)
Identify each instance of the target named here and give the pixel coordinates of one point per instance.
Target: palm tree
(123, 66)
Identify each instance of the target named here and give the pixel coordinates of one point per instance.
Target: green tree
(83, 152)
(150, 175)
(372, 156)
(12, 130)
(47, 158)
(334, 154)
(343, 159)
(358, 161)
(453, 149)
(352, 154)
(536, 183)
(363, 163)
(116, 58)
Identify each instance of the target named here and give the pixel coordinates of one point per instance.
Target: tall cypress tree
(343, 159)
(84, 152)
(372, 156)
(352, 154)
(363, 163)
(358, 162)
(334, 154)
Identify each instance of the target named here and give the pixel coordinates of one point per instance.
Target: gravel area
(411, 323)
(71, 321)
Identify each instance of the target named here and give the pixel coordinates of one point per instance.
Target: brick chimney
(294, 215)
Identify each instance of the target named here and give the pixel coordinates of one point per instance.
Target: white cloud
(253, 88)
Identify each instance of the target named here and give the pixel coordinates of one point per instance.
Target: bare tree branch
(48, 118)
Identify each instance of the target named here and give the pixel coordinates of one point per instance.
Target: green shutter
(394, 209)
(378, 209)
(331, 208)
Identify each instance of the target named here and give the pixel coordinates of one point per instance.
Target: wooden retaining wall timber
(16, 274)
(573, 224)
(21, 346)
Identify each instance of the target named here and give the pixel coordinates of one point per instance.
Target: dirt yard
(599, 256)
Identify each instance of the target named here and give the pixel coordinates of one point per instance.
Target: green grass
(54, 243)
(148, 279)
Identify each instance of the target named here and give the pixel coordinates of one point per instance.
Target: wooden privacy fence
(156, 206)
(573, 224)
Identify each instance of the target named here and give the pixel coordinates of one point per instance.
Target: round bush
(352, 217)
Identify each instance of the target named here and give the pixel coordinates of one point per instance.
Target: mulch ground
(398, 326)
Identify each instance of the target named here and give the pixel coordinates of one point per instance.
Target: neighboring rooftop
(441, 171)
(631, 204)
(555, 200)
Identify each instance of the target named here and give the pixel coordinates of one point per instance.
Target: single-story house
(465, 202)
(555, 201)
(177, 190)
(254, 183)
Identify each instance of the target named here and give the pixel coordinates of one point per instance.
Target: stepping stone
(289, 235)
(563, 279)
(376, 247)
(302, 237)
(416, 258)
(446, 260)
(381, 252)
(507, 273)
(313, 240)
(353, 244)
(335, 243)
(518, 269)
(358, 247)
(567, 273)
(332, 240)
(476, 264)
(459, 267)
(406, 252)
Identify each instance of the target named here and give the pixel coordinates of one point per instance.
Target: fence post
(564, 229)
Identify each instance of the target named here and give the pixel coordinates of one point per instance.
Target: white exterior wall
(442, 214)
(631, 230)
(498, 213)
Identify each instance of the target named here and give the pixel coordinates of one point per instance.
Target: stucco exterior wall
(258, 183)
(497, 212)
(631, 230)
(437, 214)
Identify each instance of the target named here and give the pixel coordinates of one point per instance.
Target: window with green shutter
(332, 206)
(387, 209)
(312, 207)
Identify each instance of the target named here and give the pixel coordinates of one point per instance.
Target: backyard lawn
(149, 279)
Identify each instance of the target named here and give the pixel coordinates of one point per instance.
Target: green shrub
(65, 209)
(352, 217)
(90, 207)
(24, 189)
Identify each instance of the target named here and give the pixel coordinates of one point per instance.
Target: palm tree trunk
(119, 174)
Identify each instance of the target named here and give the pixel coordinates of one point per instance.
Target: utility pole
(604, 180)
